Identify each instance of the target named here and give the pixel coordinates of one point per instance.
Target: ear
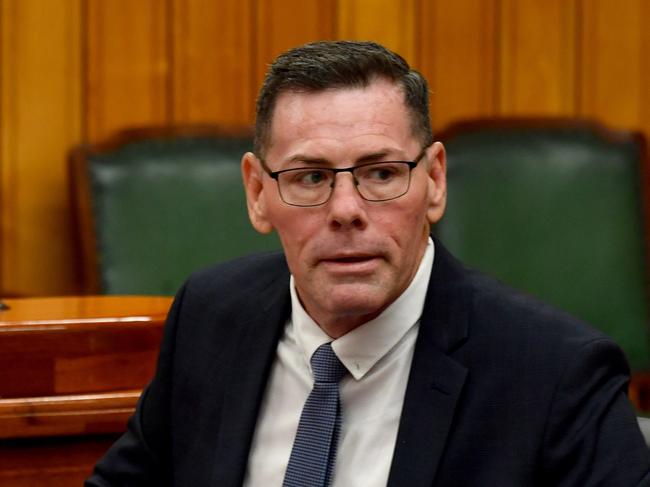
(252, 174)
(437, 172)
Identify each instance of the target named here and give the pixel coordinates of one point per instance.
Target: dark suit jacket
(503, 391)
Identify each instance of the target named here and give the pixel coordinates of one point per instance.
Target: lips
(351, 263)
(349, 260)
(351, 257)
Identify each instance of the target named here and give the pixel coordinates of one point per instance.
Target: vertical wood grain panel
(40, 102)
(614, 69)
(71, 69)
(127, 65)
(538, 57)
(458, 57)
(212, 61)
(283, 24)
(644, 100)
(389, 22)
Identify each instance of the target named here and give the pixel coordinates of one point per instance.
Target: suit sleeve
(141, 456)
(592, 437)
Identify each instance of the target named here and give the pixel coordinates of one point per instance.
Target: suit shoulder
(495, 305)
(520, 340)
(242, 275)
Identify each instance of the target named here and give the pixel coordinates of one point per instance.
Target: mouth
(349, 256)
(351, 263)
(349, 259)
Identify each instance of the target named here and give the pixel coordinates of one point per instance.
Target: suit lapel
(247, 377)
(436, 380)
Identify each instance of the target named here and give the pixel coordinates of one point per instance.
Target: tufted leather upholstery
(163, 203)
(554, 208)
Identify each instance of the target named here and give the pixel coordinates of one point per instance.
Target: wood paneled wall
(75, 71)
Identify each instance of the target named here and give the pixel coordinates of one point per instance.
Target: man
(443, 377)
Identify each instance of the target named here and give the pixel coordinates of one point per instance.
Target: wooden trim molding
(71, 415)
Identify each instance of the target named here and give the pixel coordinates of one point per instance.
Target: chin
(355, 300)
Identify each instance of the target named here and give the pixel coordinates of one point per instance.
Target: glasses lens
(305, 186)
(383, 181)
(375, 182)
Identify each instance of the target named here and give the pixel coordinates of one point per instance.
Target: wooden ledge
(82, 313)
(79, 414)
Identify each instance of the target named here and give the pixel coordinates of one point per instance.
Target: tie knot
(326, 366)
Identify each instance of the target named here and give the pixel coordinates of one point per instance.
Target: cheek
(297, 228)
(407, 228)
(406, 223)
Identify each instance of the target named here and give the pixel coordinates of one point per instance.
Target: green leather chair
(156, 204)
(554, 207)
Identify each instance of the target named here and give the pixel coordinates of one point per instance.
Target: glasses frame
(411, 164)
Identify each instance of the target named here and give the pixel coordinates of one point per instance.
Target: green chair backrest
(554, 208)
(166, 206)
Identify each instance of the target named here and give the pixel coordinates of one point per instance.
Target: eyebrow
(372, 157)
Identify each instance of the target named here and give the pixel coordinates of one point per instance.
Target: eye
(309, 177)
(380, 172)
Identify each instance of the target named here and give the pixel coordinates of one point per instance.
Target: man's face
(350, 258)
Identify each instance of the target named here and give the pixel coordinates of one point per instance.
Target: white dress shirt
(377, 354)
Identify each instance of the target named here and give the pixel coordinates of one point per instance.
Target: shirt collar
(360, 349)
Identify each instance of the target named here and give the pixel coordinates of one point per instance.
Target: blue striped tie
(314, 449)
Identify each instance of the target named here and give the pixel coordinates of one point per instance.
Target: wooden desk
(71, 371)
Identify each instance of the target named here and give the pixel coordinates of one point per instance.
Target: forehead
(336, 120)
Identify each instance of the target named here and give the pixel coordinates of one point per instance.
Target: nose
(346, 208)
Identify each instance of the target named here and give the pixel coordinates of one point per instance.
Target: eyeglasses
(376, 181)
